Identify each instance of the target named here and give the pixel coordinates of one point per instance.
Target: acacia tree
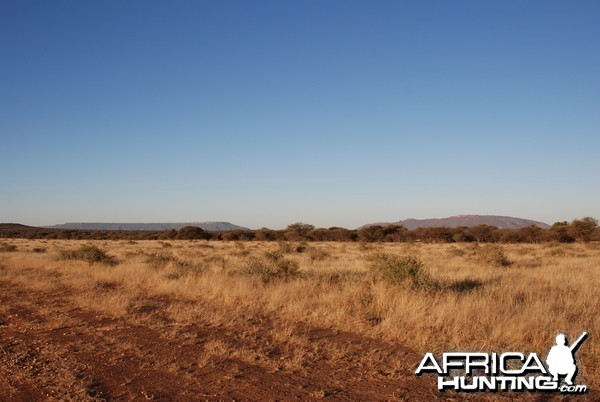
(265, 234)
(191, 233)
(583, 229)
(532, 233)
(297, 231)
(300, 227)
(370, 233)
(484, 233)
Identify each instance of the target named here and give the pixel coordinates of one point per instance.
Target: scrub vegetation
(258, 305)
(579, 230)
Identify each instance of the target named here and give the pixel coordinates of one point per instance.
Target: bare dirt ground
(98, 357)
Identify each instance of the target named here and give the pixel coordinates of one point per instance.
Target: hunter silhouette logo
(510, 371)
(560, 359)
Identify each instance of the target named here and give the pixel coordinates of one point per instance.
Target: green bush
(270, 269)
(286, 268)
(395, 270)
(161, 260)
(495, 255)
(257, 267)
(88, 253)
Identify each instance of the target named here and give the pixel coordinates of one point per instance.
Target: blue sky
(264, 113)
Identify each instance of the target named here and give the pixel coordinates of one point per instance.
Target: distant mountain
(503, 222)
(15, 226)
(211, 226)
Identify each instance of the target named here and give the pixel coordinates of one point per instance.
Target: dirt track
(52, 349)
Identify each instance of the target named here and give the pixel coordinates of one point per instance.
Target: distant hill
(503, 222)
(15, 226)
(210, 226)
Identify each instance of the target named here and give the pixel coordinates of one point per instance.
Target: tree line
(581, 230)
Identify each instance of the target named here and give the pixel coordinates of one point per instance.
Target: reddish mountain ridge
(503, 222)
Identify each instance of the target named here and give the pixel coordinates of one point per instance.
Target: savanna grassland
(181, 320)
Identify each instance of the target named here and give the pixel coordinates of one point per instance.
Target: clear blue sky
(327, 112)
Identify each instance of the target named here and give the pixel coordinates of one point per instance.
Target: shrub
(316, 254)
(300, 227)
(560, 234)
(269, 269)
(89, 253)
(583, 229)
(273, 255)
(39, 250)
(265, 234)
(300, 248)
(484, 233)
(257, 267)
(495, 255)
(285, 247)
(188, 267)
(191, 233)
(286, 268)
(7, 248)
(395, 270)
(464, 286)
(159, 260)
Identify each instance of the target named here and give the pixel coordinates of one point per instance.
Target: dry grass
(514, 298)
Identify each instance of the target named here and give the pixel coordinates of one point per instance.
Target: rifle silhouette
(578, 342)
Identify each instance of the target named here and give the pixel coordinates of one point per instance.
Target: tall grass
(425, 296)
(89, 253)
